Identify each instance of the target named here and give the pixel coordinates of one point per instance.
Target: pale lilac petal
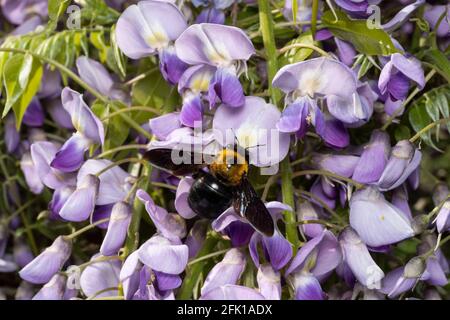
(192, 111)
(269, 282)
(181, 199)
(117, 229)
(357, 257)
(172, 68)
(395, 284)
(161, 255)
(83, 119)
(166, 281)
(228, 271)
(49, 262)
(317, 77)
(34, 114)
(80, 204)
(294, 117)
(374, 158)
(163, 125)
(402, 16)
(211, 15)
(114, 183)
(377, 222)
(346, 52)
(53, 290)
(232, 292)
(11, 135)
(148, 26)
(95, 74)
(30, 173)
(213, 44)
(343, 165)
(306, 211)
(100, 279)
(42, 153)
(129, 275)
(171, 226)
(59, 114)
(410, 67)
(278, 249)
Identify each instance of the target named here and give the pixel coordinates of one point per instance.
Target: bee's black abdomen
(209, 197)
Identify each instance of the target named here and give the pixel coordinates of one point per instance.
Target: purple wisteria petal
(294, 117)
(30, 173)
(117, 229)
(331, 130)
(443, 217)
(434, 273)
(59, 114)
(404, 160)
(239, 233)
(196, 237)
(377, 222)
(81, 203)
(319, 190)
(400, 200)
(95, 74)
(165, 282)
(100, 278)
(228, 271)
(43, 153)
(254, 125)
(213, 44)
(307, 287)
(269, 282)
(50, 261)
(226, 88)
(358, 259)
(410, 67)
(192, 111)
(181, 203)
(83, 119)
(161, 255)
(34, 114)
(130, 275)
(316, 77)
(11, 135)
(232, 292)
(71, 155)
(28, 26)
(402, 16)
(171, 226)
(115, 183)
(172, 68)
(319, 256)
(22, 253)
(50, 85)
(346, 52)
(306, 211)
(373, 159)
(149, 26)
(163, 125)
(196, 79)
(59, 198)
(343, 165)
(356, 110)
(211, 15)
(53, 290)
(395, 284)
(432, 15)
(17, 11)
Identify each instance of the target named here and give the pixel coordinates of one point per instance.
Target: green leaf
(22, 78)
(298, 54)
(431, 107)
(365, 40)
(153, 91)
(294, 10)
(402, 132)
(440, 62)
(119, 59)
(56, 8)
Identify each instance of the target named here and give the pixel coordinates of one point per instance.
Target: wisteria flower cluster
(342, 107)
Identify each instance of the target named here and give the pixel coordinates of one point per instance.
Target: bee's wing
(250, 206)
(162, 159)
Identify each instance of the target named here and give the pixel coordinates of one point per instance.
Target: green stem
(85, 229)
(266, 26)
(325, 173)
(287, 189)
(131, 109)
(83, 84)
(121, 148)
(30, 236)
(194, 271)
(132, 241)
(428, 128)
(303, 45)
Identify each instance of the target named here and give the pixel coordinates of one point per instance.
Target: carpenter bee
(224, 184)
